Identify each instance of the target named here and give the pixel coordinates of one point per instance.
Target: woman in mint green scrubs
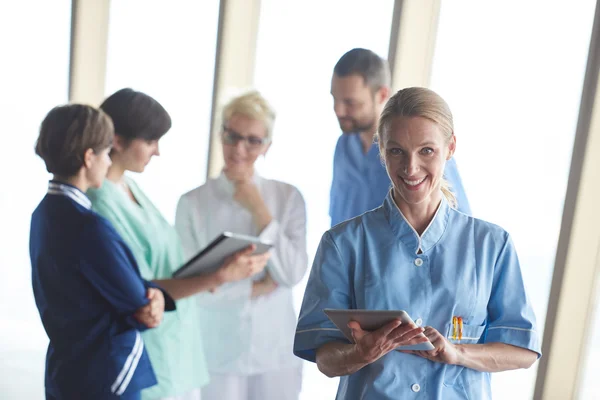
(175, 348)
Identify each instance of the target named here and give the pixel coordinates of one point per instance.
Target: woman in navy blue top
(92, 300)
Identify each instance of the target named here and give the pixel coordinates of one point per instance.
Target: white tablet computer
(371, 320)
(212, 256)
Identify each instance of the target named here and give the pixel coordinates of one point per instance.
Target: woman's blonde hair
(251, 105)
(419, 102)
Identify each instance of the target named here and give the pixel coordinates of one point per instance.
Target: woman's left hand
(444, 352)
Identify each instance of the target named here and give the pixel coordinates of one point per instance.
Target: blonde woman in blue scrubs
(458, 277)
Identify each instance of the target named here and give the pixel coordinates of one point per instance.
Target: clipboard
(371, 320)
(211, 258)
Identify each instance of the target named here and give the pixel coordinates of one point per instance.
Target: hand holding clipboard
(224, 251)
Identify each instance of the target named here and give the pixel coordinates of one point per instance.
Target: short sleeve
(334, 191)
(511, 319)
(328, 287)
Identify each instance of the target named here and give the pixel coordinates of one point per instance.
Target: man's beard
(358, 127)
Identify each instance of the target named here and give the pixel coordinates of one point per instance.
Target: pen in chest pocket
(457, 328)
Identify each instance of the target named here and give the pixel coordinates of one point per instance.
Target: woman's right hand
(242, 265)
(152, 313)
(371, 346)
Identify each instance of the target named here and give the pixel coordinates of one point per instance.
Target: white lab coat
(247, 337)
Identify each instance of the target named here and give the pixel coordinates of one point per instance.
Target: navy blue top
(361, 183)
(87, 287)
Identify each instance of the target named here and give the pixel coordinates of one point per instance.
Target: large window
(590, 384)
(170, 55)
(513, 81)
(34, 78)
(296, 77)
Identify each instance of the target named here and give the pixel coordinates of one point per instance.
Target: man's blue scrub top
(360, 181)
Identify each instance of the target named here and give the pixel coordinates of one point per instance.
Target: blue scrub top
(466, 268)
(360, 181)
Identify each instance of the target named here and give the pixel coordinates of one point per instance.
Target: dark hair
(67, 133)
(136, 115)
(374, 69)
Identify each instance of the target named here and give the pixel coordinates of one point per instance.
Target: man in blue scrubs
(360, 87)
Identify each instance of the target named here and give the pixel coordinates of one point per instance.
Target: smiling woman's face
(415, 152)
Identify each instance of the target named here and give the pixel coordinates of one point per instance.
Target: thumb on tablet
(245, 252)
(357, 331)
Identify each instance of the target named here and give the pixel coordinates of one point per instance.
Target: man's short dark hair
(67, 133)
(374, 69)
(136, 115)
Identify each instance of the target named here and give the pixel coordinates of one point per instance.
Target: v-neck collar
(356, 145)
(407, 234)
(115, 187)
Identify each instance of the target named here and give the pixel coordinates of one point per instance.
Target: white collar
(71, 192)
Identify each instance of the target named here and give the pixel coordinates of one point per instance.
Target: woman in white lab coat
(249, 325)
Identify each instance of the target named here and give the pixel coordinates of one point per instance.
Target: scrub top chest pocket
(467, 334)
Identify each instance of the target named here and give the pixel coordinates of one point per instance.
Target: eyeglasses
(252, 142)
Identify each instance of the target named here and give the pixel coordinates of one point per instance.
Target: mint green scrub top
(175, 347)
